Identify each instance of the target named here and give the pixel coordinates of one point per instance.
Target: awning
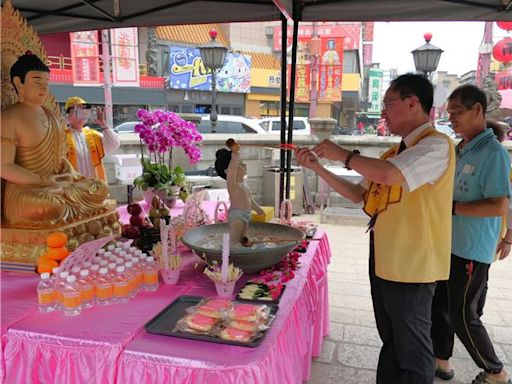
(195, 34)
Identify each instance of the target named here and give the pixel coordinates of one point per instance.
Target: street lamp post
(426, 57)
(213, 55)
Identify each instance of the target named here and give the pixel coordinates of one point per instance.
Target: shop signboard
(125, 57)
(85, 58)
(331, 69)
(350, 31)
(375, 89)
(187, 72)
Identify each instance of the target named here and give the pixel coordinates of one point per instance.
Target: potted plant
(160, 131)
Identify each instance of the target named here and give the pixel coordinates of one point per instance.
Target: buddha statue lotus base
(21, 248)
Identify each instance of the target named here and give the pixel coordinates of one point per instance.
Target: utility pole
(107, 83)
(314, 52)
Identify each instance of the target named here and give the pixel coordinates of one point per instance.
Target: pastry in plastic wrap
(249, 312)
(235, 334)
(199, 322)
(215, 308)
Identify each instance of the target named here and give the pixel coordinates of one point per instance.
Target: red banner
(85, 57)
(504, 79)
(125, 57)
(330, 71)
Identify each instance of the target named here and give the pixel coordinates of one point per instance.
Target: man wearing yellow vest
(407, 193)
(480, 203)
(86, 146)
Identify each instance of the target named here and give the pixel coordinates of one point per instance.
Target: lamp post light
(426, 57)
(213, 55)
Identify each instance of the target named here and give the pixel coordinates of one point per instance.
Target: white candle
(225, 257)
(163, 240)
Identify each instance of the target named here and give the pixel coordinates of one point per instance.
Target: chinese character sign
(187, 71)
(125, 57)
(504, 79)
(350, 31)
(375, 89)
(331, 68)
(85, 57)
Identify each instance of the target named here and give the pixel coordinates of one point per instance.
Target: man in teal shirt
(480, 202)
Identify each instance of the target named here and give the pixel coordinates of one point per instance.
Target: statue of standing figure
(493, 99)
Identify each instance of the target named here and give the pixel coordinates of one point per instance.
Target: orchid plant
(161, 131)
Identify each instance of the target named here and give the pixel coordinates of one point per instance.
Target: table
(109, 344)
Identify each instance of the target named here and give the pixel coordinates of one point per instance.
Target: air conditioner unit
(269, 31)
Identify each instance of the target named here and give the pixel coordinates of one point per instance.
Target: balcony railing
(62, 72)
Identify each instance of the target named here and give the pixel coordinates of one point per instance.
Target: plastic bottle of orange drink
(103, 288)
(46, 293)
(120, 285)
(151, 275)
(86, 289)
(71, 297)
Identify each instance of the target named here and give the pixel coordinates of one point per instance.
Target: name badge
(468, 169)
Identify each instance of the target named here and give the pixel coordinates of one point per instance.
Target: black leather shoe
(443, 375)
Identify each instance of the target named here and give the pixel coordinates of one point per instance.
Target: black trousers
(403, 317)
(457, 307)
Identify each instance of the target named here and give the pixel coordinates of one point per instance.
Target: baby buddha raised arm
(229, 166)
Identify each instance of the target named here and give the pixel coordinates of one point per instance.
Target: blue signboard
(187, 71)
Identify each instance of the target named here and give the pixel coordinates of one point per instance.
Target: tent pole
(282, 154)
(291, 106)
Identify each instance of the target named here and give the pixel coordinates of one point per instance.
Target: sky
(460, 41)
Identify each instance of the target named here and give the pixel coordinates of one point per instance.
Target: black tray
(165, 321)
(257, 301)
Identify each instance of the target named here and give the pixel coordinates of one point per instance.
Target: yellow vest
(414, 229)
(96, 151)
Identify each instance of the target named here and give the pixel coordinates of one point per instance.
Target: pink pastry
(214, 307)
(248, 312)
(235, 334)
(200, 322)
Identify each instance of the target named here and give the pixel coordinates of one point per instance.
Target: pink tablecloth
(283, 357)
(109, 345)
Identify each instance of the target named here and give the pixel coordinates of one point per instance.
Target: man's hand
(259, 211)
(503, 249)
(307, 158)
(330, 151)
(100, 118)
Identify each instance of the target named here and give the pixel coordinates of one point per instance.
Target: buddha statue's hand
(57, 181)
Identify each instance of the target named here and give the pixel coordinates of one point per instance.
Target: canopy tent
(51, 16)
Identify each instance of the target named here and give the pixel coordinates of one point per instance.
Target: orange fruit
(56, 239)
(57, 253)
(45, 264)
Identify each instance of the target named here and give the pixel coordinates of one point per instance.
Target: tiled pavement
(351, 350)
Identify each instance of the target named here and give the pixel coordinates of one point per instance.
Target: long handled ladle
(246, 242)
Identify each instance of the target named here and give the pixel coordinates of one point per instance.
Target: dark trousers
(457, 307)
(403, 317)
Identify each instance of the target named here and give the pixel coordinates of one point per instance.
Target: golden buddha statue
(41, 192)
(41, 187)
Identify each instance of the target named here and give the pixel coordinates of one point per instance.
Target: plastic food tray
(165, 321)
(259, 301)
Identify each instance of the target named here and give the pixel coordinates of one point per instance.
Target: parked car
(273, 125)
(126, 127)
(230, 124)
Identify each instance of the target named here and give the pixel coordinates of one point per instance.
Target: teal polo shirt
(481, 172)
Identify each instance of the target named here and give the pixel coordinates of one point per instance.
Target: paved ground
(351, 351)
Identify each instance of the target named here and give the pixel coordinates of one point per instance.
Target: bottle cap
(150, 259)
(128, 264)
(103, 263)
(101, 251)
(87, 264)
(111, 265)
(75, 269)
(126, 246)
(84, 273)
(133, 249)
(120, 269)
(95, 267)
(107, 254)
(71, 279)
(64, 274)
(118, 249)
(45, 275)
(135, 260)
(111, 247)
(103, 271)
(122, 254)
(119, 261)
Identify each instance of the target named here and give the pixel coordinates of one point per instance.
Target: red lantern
(502, 51)
(506, 25)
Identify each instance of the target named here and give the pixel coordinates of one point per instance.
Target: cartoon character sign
(235, 76)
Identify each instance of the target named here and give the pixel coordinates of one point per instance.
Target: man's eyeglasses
(386, 103)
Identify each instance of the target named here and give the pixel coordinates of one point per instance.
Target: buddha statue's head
(30, 77)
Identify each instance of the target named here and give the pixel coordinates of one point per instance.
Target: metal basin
(250, 260)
